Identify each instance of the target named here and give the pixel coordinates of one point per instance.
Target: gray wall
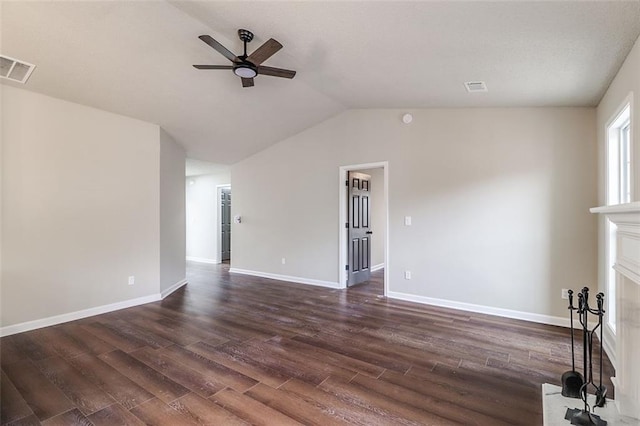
(172, 212)
(81, 194)
(499, 200)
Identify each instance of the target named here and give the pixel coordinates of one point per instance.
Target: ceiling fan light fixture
(244, 71)
(247, 66)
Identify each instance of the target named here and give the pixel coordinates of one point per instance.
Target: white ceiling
(198, 167)
(134, 58)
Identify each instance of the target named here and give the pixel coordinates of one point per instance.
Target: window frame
(618, 131)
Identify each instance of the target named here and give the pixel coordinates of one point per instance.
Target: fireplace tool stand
(585, 416)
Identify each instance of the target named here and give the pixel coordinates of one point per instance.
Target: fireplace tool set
(574, 384)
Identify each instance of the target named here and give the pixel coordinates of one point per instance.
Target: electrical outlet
(132, 280)
(284, 261)
(407, 275)
(565, 293)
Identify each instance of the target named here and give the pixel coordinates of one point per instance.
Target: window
(625, 162)
(618, 192)
(619, 158)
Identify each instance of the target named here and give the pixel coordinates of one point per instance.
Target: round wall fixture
(407, 118)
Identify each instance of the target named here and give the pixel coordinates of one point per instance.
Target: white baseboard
(173, 288)
(72, 316)
(377, 267)
(287, 278)
(507, 313)
(203, 260)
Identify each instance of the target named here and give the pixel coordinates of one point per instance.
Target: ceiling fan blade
(247, 82)
(264, 52)
(213, 67)
(276, 72)
(217, 46)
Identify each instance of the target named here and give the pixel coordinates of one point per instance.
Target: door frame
(219, 220)
(342, 215)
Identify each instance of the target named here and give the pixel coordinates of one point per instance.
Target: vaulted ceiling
(134, 58)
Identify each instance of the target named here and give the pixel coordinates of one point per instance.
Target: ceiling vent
(15, 70)
(475, 86)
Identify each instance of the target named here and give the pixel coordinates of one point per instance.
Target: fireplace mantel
(627, 342)
(619, 208)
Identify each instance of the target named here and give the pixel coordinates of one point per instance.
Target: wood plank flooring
(235, 350)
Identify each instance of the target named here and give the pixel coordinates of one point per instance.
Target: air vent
(14, 69)
(475, 86)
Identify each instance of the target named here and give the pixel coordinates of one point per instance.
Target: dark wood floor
(231, 349)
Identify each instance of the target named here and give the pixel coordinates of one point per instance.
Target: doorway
(363, 219)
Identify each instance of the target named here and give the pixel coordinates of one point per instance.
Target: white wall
(81, 208)
(172, 212)
(499, 200)
(203, 218)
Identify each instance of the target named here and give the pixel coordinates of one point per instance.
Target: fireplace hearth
(624, 346)
(555, 406)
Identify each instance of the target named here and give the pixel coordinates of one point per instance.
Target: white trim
(609, 344)
(377, 267)
(632, 207)
(507, 313)
(627, 272)
(72, 316)
(173, 288)
(342, 215)
(612, 124)
(628, 100)
(299, 280)
(203, 260)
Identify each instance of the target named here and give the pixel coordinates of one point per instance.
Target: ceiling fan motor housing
(245, 35)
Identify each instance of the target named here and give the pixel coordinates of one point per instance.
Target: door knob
(369, 232)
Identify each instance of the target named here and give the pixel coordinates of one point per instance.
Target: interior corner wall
(203, 218)
(172, 213)
(80, 191)
(625, 83)
(499, 197)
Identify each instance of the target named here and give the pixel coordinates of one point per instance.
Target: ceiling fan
(247, 66)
